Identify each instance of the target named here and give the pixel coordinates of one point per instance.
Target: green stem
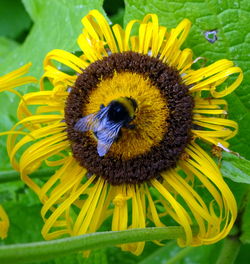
(12, 175)
(230, 250)
(37, 251)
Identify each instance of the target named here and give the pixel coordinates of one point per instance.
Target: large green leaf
(57, 24)
(244, 254)
(231, 19)
(235, 168)
(23, 208)
(244, 219)
(6, 46)
(172, 253)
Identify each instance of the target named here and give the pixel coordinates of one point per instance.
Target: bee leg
(102, 106)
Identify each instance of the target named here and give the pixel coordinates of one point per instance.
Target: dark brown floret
(161, 157)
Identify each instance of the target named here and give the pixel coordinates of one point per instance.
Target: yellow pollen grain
(150, 117)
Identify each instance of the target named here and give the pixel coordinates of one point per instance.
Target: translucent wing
(94, 122)
(105, 131)
(106, 137)
(86, 123)
(103, 148)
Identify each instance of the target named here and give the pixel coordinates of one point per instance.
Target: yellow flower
(153, 171)
(7, 83)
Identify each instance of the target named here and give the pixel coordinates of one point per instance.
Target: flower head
(7, 83)
(151, 164)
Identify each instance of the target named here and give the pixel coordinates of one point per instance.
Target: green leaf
(34, 7)
(70, 259)
(13, 19)
(231, 19)
(25, 223)
(6, 46)
(243, 255)
(17, 192)
(230, 250)
(239, 190)
(57, 25)
(245, 223)
(235, 168)
(96, 257)
(172, 253)
(23, 208)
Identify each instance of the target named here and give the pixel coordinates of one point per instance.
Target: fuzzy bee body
(106, 124)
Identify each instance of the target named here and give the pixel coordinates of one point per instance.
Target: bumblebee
(108, 121)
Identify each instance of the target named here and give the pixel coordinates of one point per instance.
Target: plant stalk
(37, 251)
(12, 175)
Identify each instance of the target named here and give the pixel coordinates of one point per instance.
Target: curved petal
(4, 223)
(208, 78)
(14, 78)
(65, 58)
(218, 130)
(175, 39)
(98, 29)
(222, 208)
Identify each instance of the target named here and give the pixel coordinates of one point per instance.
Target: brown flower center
(162, 120)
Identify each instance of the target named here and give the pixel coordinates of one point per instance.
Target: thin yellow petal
(153, 211)
(204, 167)
(67, 202)
(104, 28)
(14, 78)
(180, 212)
(66, 58)
(176, 38)
(128, 30)
(119, 35)
(208, 78)
(4, 223)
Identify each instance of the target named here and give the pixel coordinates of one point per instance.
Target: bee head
(122, 110)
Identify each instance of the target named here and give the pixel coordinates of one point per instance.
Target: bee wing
(106, 138)
(86, 123)
(103, 148)
(94, 122)
(105, 131)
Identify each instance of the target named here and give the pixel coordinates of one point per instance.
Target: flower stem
(229, 251)
(12, 175)
(37, 251)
